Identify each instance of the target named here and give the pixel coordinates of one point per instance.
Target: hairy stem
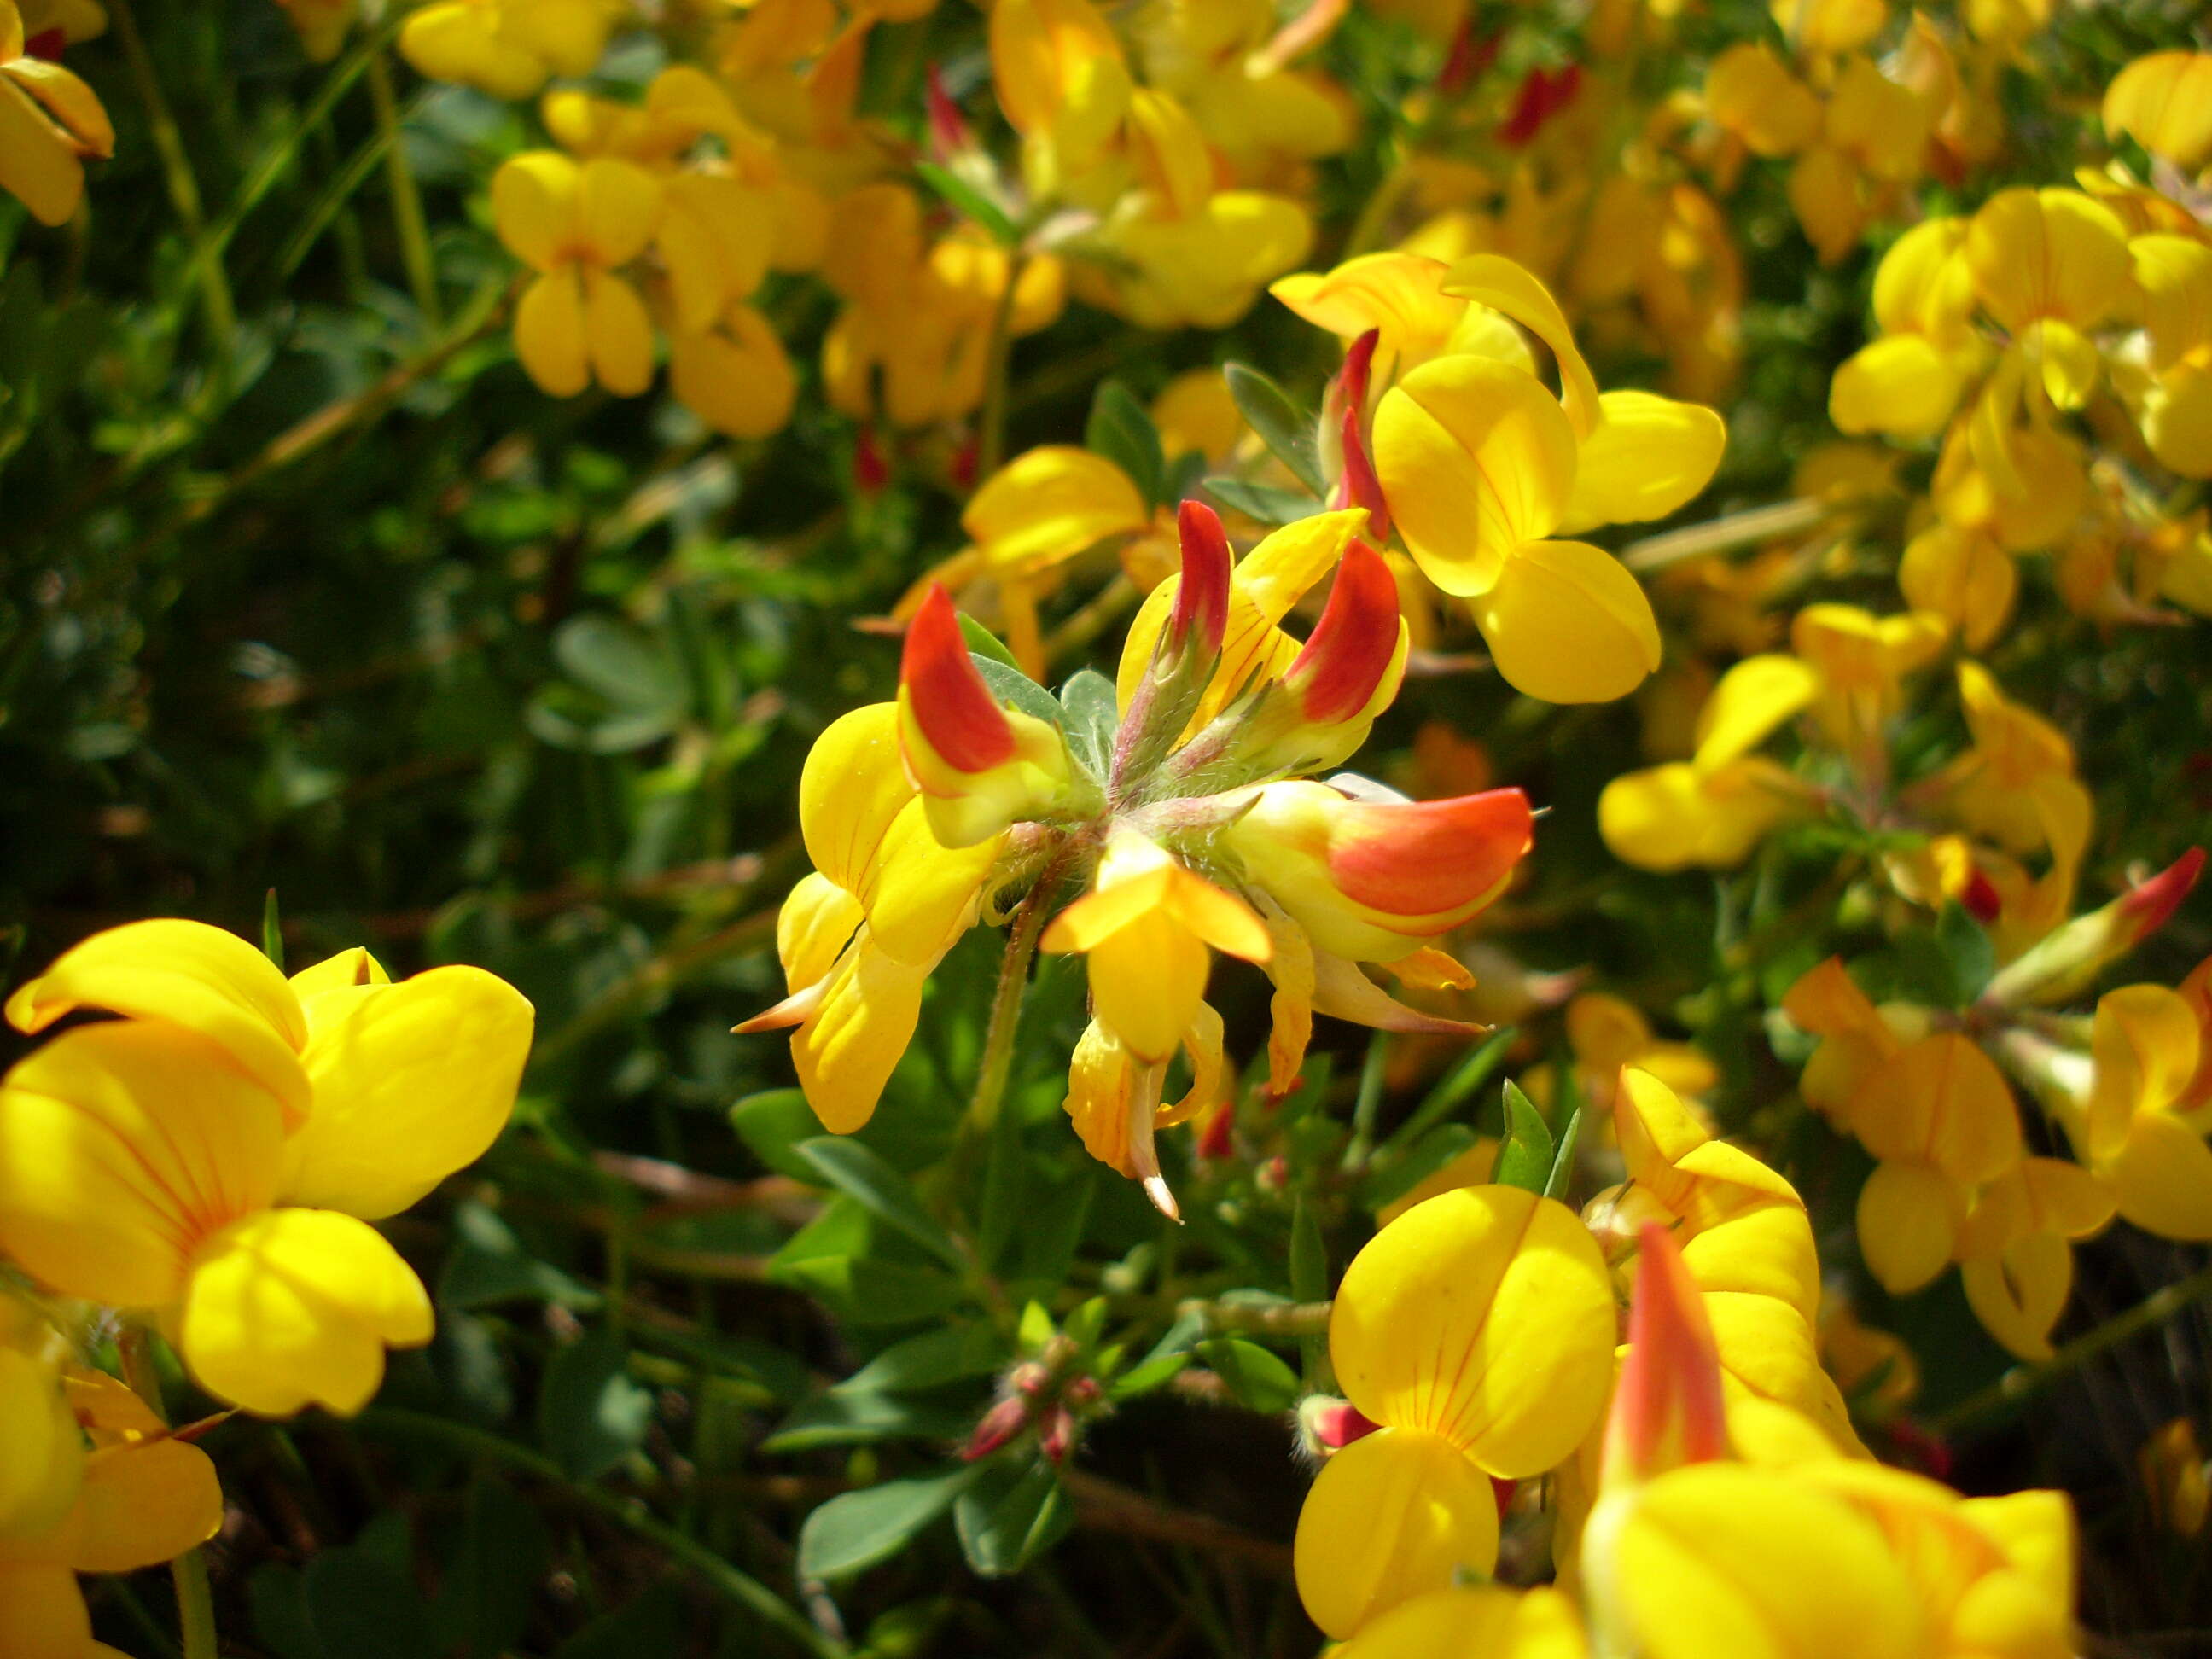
(997, 1063)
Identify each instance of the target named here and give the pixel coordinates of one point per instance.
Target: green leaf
(489, 1580)
(489, 1266)
(861, 1176)
(930, 1360)
(1121, 429)
(652, 1622)
(968, 202)
(1254, 1376)
(1563, 1165)
(1526, 1158)
(590, 1413)
(873, 1293)
(630, 668)
(842, 1417)
(1392, 1180)
(1011, 685)
(1093, 716)
(1472, 1070)
(278, 1595)
(1144, 1377)
(1284, 428)
(1008, 1519)
(772, 1124)
(362, 1600)
(272, 931)
(854, 1530)
(982, 642)
(1969, 955)
(1265, 502)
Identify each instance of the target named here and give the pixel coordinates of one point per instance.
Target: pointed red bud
(1666, 1407)
(954, 710)
(1543, 95)
(1335, 1423)
(1353, 645)
(872, 473)
(46, 44)
(1358, 484)
(1000, 1424)
(1056, 1435)
(1467, 61)
(948, 134)
(1201, 603)
(2148, 907)
(1217, 1138)
(1431, 857)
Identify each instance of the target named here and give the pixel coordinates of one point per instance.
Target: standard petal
(1476, 458)
(122, 1145)
(533, 207)
(1485, 1316)
(2161, 1177)
(293, 1307)
(412, 1081)
(188, 973)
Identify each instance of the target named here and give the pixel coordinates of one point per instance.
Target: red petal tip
(1431, 857)
(958, 716)
(1353, 644)
(1201, 605)
(1667, 1409)
(2150, 906)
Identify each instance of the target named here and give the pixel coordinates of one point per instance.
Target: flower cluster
(206, 1164)
(1177, 802)
(1707, 1494)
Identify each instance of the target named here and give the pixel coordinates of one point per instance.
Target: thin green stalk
(189, 1572)
(220, 309)
(991, 442)
(1286, 1319)
(740, 1589)
(1757, 524)
(406, 199)
(2021, 1381)
(1366, 1105)
(998, 1062)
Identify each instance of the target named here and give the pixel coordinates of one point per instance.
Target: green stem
(2021, 1381)
(1268, 1319)
(991, 442)
(189, 1572)
(738, 1587)
(406, 200)
(1756, 524)
(215, 302)
(1367, 1103)
(1006, 1004)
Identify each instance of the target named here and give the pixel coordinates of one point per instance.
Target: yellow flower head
(1477, 1328)
(508, 48)
(214, 1158)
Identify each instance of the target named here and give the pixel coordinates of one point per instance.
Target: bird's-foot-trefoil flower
(50, 123)
(212, 1160)
(1169, 806)
(145, 1497)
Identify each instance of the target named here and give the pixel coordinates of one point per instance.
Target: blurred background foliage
(304, 587)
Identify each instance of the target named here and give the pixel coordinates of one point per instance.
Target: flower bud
(2069, 959)
(1374, 880)
(999, 1425)
(1666, 1409)
(978, 766)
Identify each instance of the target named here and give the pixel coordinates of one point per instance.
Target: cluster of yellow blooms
(206, 1164)
(1177, 799)
(1720, 1504)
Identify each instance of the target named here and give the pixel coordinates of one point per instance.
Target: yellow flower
(1714, 809)
(1477, 1328)
(213, 1158)
(2164, 102)
(1860, 661)
(1063, 82)
(146, 1499)
(2015, 1250)
(50, 121)
(576, 227)
(1938, 1116)
(508, 48)
(2143, 1132)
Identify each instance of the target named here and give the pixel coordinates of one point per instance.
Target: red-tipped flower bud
(948, 134)
(2066, 961)
(951, 708)
(1201, 617)
(1667, 1406)
(1000, 1424)
(1355, 644)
